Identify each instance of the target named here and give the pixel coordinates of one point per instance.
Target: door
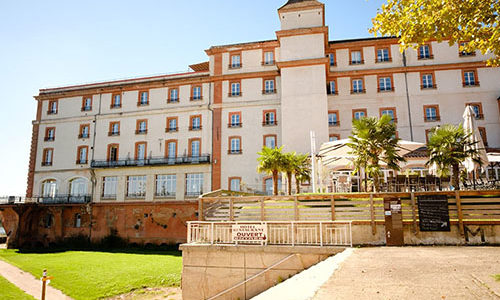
(393, 222)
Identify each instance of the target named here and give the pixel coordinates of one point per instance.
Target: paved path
(28, 283)
(416, 273)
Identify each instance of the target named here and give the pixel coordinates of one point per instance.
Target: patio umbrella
(475, 137)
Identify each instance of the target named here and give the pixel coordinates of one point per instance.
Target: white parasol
(474, 137)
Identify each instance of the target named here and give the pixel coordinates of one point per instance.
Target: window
(235, 184)
(391, 112)
(269, 86)
(113, 152)
(82, 155)
(84, 131)
(173, 95)
(166, 185)
(143, 98)
(195, 122)
(234, 145)
(234, 120)
(270, 141)
(425, 52)
(482, 132)
(196, 93)
(235, 89)
(47, 158)
(356, 57)
(333, 137)
(52, 107)
(358, 113)
(268, 185)
(50, 134)
(383, 55)
(428, 134)
(141, 127)
(136, 186)
(469, 78)
(331, 59)
(268, 58)
(171, 149)
(48, 221)
(140, 150)
(478, 110)
(109, 187)
(78, 220)
(194, 147)
(235, 61)
(78, 187)
(49, 188)
(87, 103)
(333, 118)
(332, 88)
(194, 184)
(269, 118)
(114, 128)
(428, 81)
(385, 84)
(172, 124)
(116, 100)
(357, 86)
(431, 113)
(462, 52)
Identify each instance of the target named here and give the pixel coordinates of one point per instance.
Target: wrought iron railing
(180, 160)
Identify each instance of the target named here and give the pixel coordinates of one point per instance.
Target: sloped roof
(293, 4)
(201, 67)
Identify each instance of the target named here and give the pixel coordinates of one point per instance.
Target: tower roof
(298, 4)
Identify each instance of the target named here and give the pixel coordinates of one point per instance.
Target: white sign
(249, 233)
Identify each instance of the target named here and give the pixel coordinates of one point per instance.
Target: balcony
(82, 161)
(117, 105)
(195, 128)
(83, 136)
(268, 63)
(385, 89)
(165, 194)
(470, 83)
(141, 131)
(193, 194)
(270, 123)
(428, 86)
(62, 199)
(235, 94)
(334, 124)
(235, 66)
(87, 108)
(431, 56)
(358, 91)
(114, 133)
(234, 125)
(356, 62)
(432, 118)
(49, 139)
(173, 100)
(234, 151)
(46, 163)
(196, 98)
(154, 161)
(171, 129)
(52, 112)
(465, 53)
(267, 92)
(383, 60)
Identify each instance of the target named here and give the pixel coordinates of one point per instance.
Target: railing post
(200, 209)
(460, 212)
(189, 233)
(321, 234)
(372, 215)
(296, 208)
(231, 209)
(413, 212)
(212, 233)
(332, 204)
(262, 212)
(350, 231)
(293, 233)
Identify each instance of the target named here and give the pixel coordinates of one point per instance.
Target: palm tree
(288, 166)
(373, 141)
(302, 170)
(449, 146)
(271, 162)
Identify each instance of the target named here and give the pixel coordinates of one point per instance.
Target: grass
(8, 291)
(497, 277)
(94, 275)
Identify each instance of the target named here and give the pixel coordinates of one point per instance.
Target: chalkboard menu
(433, 213)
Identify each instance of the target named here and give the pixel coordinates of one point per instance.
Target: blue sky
(55, 43)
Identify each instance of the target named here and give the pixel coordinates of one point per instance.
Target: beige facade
(244, 96)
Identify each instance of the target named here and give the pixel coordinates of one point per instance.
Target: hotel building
(174, 137)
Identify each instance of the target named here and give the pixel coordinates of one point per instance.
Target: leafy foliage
(374, 141)
(418, 21)
(448, 147)
(271, 161)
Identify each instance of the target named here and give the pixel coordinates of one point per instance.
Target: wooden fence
(477, 207)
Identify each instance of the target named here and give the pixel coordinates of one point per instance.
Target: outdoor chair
(430, 182)
(343, 184)
(382, 185)
(391, 184)
(413, 183)
(401, 183)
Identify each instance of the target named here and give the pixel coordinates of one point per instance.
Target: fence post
(262, 212)
(333, 207)
(413, 212)
(296, 208)
(321, 234)
(200, 209)
(293, 234)
(231, 209)
(212, 227)
(372, 215)
(460, 213)
(189, 232)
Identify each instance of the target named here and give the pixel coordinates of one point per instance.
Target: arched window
(78, 187)
(78, 220)
(49, 188)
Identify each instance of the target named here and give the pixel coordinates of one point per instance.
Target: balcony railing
(141, 131)
(235, 94)
(356, 62)
(82, 161)
(196, 98)
(115, 106)
(334, 124)
(114, 133)
(428, 86)
(49, 138)
(173, 100)
(235, 66)
(358, 91)
(235, 125)
(383, 60)
(471, 83)
(234, 151)
(142, 103)
(270, 123)
(195, 128)
(431, 56)
(385, 89)
(46, 163)
(432, 119)
(62, 199)
(154, 161)
(171, 129)
(465, 53)
(266, 92)
(83, 136)
(479, 117)
(268, 63)
(193, 194)
(87, 108)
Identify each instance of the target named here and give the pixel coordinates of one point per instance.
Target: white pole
(313, 160)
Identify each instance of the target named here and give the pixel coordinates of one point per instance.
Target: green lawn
(93, 275)
(8, 291)
(497, 277)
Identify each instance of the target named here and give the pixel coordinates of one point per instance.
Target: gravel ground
(416, 273)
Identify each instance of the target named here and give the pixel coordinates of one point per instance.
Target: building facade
(174, 137)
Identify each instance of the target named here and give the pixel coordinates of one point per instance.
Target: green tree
(448, 147)
(374, 141)
(271, 161)
(288, 166)
(302, 170)
(418, 21)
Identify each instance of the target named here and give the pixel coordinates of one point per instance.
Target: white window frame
(166, 185)
(194, 184)
(109, 186)
(136, 186)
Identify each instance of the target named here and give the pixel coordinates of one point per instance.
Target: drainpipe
(92, 172)
(407, 96)
(209, 106)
